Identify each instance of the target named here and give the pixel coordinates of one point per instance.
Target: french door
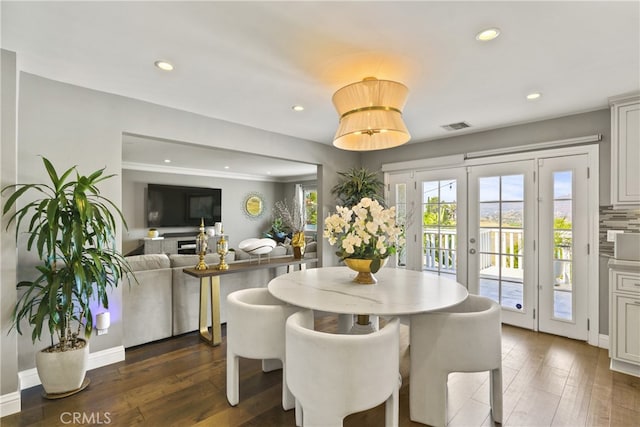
(443, 219)
(564, 246)
(501, 236)
(399, 195)
(514, 231)
(431, 208)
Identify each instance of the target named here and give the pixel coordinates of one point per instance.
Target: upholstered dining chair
(256, 330)
(334, 375)
(463, 338)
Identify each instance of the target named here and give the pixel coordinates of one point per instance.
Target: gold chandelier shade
(371, 115)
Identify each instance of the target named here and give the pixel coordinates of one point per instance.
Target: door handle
(472, 251)
(472, 240)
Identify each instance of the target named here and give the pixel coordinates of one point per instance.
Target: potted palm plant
(356, 184)
(72, 228)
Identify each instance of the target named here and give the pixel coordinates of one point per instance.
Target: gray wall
(596, 122)
(73, 125)
(547, 130)
(8, 295)
(236, 224)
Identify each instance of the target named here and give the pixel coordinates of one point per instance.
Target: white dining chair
(334, 375)
(463, 338)
(256, 330)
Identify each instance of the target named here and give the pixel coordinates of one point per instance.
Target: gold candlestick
(222, 249)
(201, 247)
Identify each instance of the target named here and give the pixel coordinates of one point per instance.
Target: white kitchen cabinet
(624, 312)
(625, 150)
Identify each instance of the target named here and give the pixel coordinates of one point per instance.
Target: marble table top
(397, 292)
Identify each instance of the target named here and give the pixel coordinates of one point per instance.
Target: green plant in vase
(71, 227)
(356, 184)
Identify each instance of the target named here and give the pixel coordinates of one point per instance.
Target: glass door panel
(400, 202)
(439, 221)
(501, 239)
(397, 194)
(562, 245)
(563, 233)
(501, 218)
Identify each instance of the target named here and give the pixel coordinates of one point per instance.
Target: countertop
(613, 263)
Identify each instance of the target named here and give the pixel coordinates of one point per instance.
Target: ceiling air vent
(456, 126)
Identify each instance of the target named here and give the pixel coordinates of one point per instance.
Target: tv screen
(176, 206)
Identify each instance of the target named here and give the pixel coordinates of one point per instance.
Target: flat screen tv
(176, 206)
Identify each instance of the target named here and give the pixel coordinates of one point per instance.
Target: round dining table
(397, 291)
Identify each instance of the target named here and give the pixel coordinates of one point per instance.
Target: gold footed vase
(222, 248)
(298, 243)
(363, 267)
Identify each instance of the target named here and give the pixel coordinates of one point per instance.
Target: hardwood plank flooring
(547, 381)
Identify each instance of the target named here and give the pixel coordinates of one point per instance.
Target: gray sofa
(147, 306)
(166, 301)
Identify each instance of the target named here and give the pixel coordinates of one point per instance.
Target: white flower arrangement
(366, 231)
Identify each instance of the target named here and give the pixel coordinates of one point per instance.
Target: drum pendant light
(371, 115)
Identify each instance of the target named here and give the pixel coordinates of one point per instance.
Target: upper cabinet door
(625, 150)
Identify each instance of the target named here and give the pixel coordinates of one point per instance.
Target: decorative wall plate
(253, 205)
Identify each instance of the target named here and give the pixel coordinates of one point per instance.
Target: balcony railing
(500, 248)
(440, 251)
(494, 245)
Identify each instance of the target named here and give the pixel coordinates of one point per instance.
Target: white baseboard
(625, 367)
(9, 403)
(106, 357)
(603, 341)
(29, 378)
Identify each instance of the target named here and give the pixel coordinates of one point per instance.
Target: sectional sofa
(165, 301)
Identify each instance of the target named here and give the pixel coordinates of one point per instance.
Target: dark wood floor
(548, 381)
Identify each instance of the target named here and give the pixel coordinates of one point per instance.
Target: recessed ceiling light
(167, 160)
(534, 95)
(226, 167)
(488, 34)
(297, 108)
(164, 65)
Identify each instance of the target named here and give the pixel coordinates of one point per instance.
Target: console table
(210, 287)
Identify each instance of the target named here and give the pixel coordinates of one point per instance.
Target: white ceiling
(249, 62)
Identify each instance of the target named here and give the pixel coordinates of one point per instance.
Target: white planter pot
(62, 372)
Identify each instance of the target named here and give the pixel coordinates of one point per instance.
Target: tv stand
(181, 234)
(187, 246)
(171, 243)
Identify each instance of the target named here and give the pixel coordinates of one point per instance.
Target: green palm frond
(357, 183)
(72, 229)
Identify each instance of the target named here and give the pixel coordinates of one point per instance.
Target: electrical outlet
(611, 235)
(102, 331)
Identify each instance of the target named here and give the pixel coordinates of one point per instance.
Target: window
(311, 208)
(439, 226)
